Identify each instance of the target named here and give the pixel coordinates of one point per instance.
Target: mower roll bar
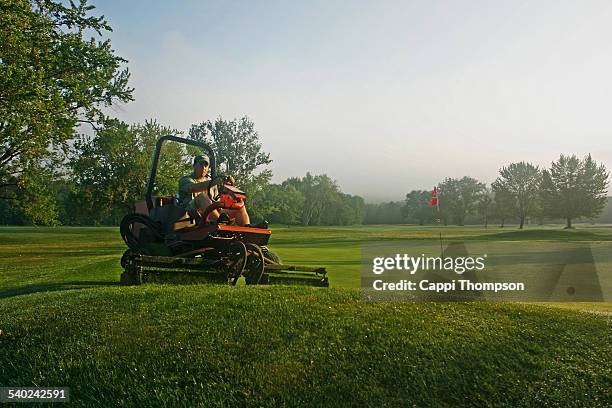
(151, 183)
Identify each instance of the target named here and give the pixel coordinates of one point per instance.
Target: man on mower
(194, 191)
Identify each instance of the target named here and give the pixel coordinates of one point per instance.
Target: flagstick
(435, 200)
(440, 232)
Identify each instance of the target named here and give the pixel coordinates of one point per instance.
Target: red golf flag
(434, 197)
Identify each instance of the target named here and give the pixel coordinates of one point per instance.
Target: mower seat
(172, 216)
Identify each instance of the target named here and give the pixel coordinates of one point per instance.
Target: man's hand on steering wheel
(217, 182)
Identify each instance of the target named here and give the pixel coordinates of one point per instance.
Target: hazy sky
(384, 97)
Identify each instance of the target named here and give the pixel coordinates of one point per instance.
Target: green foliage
(384, 213)
(485, 206)
(341, 209)
(315, 200)
(51, 78)
(110, 170)
(458, 198)
(606, 215)
(416, 209)
(574, 188)
(236, 145)
(504, 204)
(37, 203)
(318, 191)
(278, 204)
(351, 211)
(522, 182)
(324, 203)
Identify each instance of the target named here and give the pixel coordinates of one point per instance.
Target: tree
(522, 182)
(416, 209)
(278, 204)
(36, 205)
(504, 204)
(343, 209)
(110, 170)
(485, 207)
(324, 203)
(458, 198)
(574, 188)
(384, 213)
(318, 192)
(51, 79)
(310, 200)
(354, 209)
(236, 144)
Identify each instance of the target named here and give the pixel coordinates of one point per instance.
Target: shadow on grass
(71, 252)
(53, 287)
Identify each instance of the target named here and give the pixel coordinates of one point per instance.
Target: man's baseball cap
(201, 159)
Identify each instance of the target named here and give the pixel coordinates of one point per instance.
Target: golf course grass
(64, 321)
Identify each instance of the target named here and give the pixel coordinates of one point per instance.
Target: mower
(166, 244)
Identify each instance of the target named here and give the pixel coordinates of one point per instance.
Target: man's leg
(241, 216)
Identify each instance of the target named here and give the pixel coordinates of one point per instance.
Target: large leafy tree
(324, 203)
(459, 198)
(278, 204)
(52, 77)
(574, 188)
(319, 192)
(353, 209)
(238, 149)
(416, 209)
(342, 209)
(522, 182)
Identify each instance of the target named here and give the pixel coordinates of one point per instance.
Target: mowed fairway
(64, 321)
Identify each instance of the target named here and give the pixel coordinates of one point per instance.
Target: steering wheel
(226, 180)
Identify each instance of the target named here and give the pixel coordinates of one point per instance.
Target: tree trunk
(503, 222)
(569, 223)
(522, 222)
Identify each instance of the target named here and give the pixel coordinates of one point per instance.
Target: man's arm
(205, 185)
(198, 187)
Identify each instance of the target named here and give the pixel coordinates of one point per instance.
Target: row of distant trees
(571, 188)
(104, 173)
(310, 200)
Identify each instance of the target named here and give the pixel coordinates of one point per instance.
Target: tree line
(571, 188)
